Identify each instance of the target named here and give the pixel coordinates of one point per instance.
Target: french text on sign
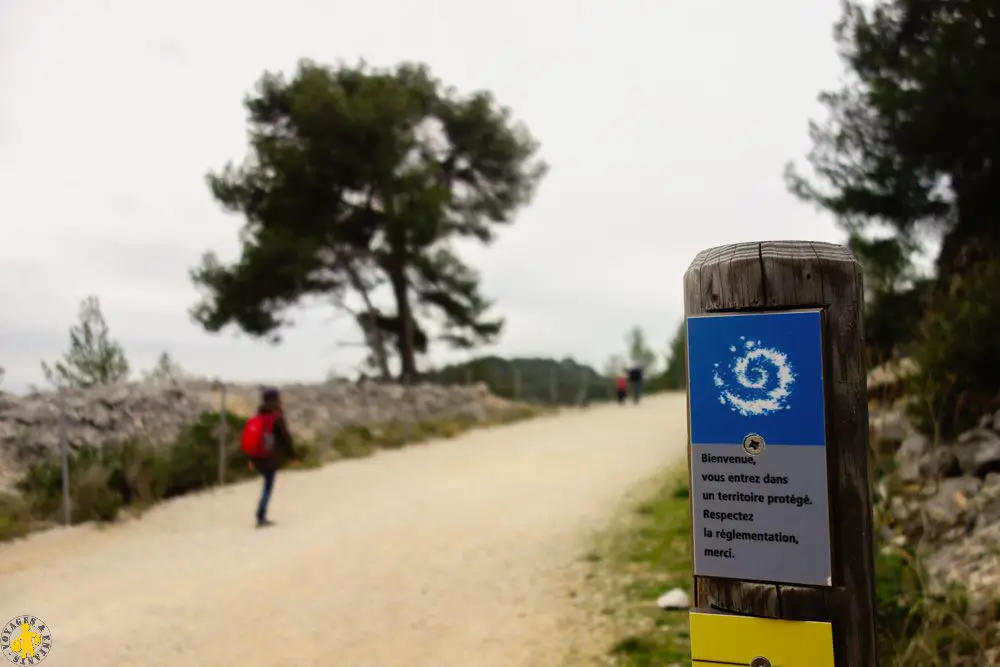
(758, 378)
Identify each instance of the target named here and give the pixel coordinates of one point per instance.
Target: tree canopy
(675, 375)
(910, 154)
(93, 358)
(165, 371)
(357, 182)
(911, 142)
(529, 379)
(640, 355)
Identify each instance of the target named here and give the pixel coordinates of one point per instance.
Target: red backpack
(258, 435)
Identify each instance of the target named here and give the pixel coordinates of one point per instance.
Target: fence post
(408, 425)
(775, 364)
(369, 420)
(222, 433)
(64, 458)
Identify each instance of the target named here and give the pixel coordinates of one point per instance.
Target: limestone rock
(949, 513)
(156, 413)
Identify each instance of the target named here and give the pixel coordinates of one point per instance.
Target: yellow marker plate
(725, 639)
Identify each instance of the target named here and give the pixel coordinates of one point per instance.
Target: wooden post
(67, 506)
(782, 276)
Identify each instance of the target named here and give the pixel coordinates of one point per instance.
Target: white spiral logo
(758, 382)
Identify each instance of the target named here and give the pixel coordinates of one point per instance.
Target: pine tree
(93, 357)
(640, 355)
(165, 371)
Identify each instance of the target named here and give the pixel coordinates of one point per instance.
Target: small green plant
(15, 517)
(957, 362)
(93, 497)
(917, 626)
(353, 442)
(396, 435)
(193, 460)
(308, 456)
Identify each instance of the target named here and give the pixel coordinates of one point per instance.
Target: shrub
(98, 487)
(42, 484)
(15, 518)
(396, 435)
(918, 627)
(518, 412)
(193, 461)
(444, 428)
(956, 354)
(105, 479)
(308, 456)
(353, 442)
(93, 497)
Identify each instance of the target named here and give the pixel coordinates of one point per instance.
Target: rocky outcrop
(30, 426)
(944, 499)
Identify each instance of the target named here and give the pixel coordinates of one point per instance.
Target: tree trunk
(373, 333)
(400, 290)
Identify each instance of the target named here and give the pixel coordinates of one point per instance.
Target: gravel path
(453, 554)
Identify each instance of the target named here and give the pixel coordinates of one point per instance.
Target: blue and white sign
(758, 447)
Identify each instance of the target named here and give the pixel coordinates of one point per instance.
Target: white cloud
(666, 125)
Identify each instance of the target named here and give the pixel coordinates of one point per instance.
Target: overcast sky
(665, 124)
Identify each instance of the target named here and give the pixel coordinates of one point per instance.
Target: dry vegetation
(130, 476)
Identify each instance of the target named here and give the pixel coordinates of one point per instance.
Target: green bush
(516, 413)
(445, 428)
(15, 517)
(353, 442)
(675, 375)
(956, 354)
(395, 435)
(134, 474)
(94, 499)
(918, 627)
(99, 483)
(308, 454)
(193, 460)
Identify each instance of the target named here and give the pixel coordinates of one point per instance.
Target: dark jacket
(284, 448)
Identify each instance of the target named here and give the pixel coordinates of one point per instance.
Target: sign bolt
(753, 444)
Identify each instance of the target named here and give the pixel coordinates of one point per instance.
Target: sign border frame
(825, 363)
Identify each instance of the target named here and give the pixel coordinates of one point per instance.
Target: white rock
(674, 599)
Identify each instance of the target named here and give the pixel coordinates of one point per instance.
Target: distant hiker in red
(622, 388)
(266, 441)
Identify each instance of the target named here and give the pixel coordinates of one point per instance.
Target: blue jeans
(268, 474)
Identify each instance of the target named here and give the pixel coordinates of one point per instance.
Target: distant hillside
(530, 380)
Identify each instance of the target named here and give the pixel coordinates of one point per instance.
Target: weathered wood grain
(800, 274)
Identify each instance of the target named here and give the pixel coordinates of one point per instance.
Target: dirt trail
(448, 555)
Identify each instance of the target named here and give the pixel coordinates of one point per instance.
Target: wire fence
(371, 406)
(552, 385)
